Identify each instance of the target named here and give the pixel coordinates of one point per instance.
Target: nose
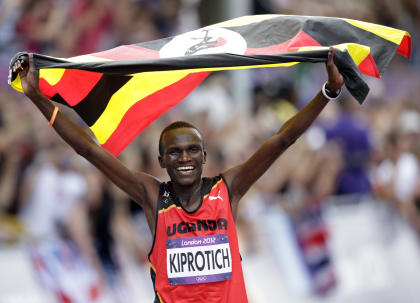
(184, 157)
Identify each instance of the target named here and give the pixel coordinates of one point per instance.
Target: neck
(189, 196)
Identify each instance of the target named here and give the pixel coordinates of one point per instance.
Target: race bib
(198, 259)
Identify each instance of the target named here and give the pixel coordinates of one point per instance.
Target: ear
(204, 157)
(161, 162)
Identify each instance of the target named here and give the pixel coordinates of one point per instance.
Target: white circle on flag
(206, 40)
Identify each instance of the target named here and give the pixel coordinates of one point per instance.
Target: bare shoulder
(148, 178)
(232, 178)
(230, 175)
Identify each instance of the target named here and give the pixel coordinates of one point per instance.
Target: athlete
(195, 255)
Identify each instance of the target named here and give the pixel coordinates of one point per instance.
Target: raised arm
(141, 187)
(241, 177)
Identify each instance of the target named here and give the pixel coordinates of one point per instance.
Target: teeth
(184, 168)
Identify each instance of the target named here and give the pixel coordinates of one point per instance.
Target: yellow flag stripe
(16, 84)
(388, 33)
(357, 52)
(52, 75)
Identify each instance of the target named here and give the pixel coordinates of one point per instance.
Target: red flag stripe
(405, 47)
(73, 86)
(149, 109)
(128, 52)
(368, 67)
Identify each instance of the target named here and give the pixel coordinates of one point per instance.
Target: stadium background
(335, 220)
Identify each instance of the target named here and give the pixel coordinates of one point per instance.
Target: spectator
(59, 240)
(352, 134)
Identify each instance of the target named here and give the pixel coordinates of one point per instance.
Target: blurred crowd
(59, 205)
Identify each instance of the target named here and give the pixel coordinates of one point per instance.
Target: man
(195, 255)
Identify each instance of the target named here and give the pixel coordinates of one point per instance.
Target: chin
(183, 182)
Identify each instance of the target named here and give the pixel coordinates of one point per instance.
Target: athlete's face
(183, 155)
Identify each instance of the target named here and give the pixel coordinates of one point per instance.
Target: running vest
(195, 255)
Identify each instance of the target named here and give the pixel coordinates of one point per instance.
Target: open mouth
(185, 169)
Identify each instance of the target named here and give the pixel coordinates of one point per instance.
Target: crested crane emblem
(209, 40)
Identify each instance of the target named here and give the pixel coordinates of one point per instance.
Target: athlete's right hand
(29, 76)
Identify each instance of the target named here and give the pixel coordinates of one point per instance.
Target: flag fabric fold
(119, 92)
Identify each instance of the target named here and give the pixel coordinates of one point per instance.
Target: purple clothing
(353, 136)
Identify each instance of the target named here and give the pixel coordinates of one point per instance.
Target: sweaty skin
(183, 154)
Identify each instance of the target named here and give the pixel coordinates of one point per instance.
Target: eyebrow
(186, 146)
(176, 147)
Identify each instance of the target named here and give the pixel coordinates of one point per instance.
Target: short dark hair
(174, 125)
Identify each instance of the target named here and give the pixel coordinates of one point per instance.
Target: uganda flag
(119, 92)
